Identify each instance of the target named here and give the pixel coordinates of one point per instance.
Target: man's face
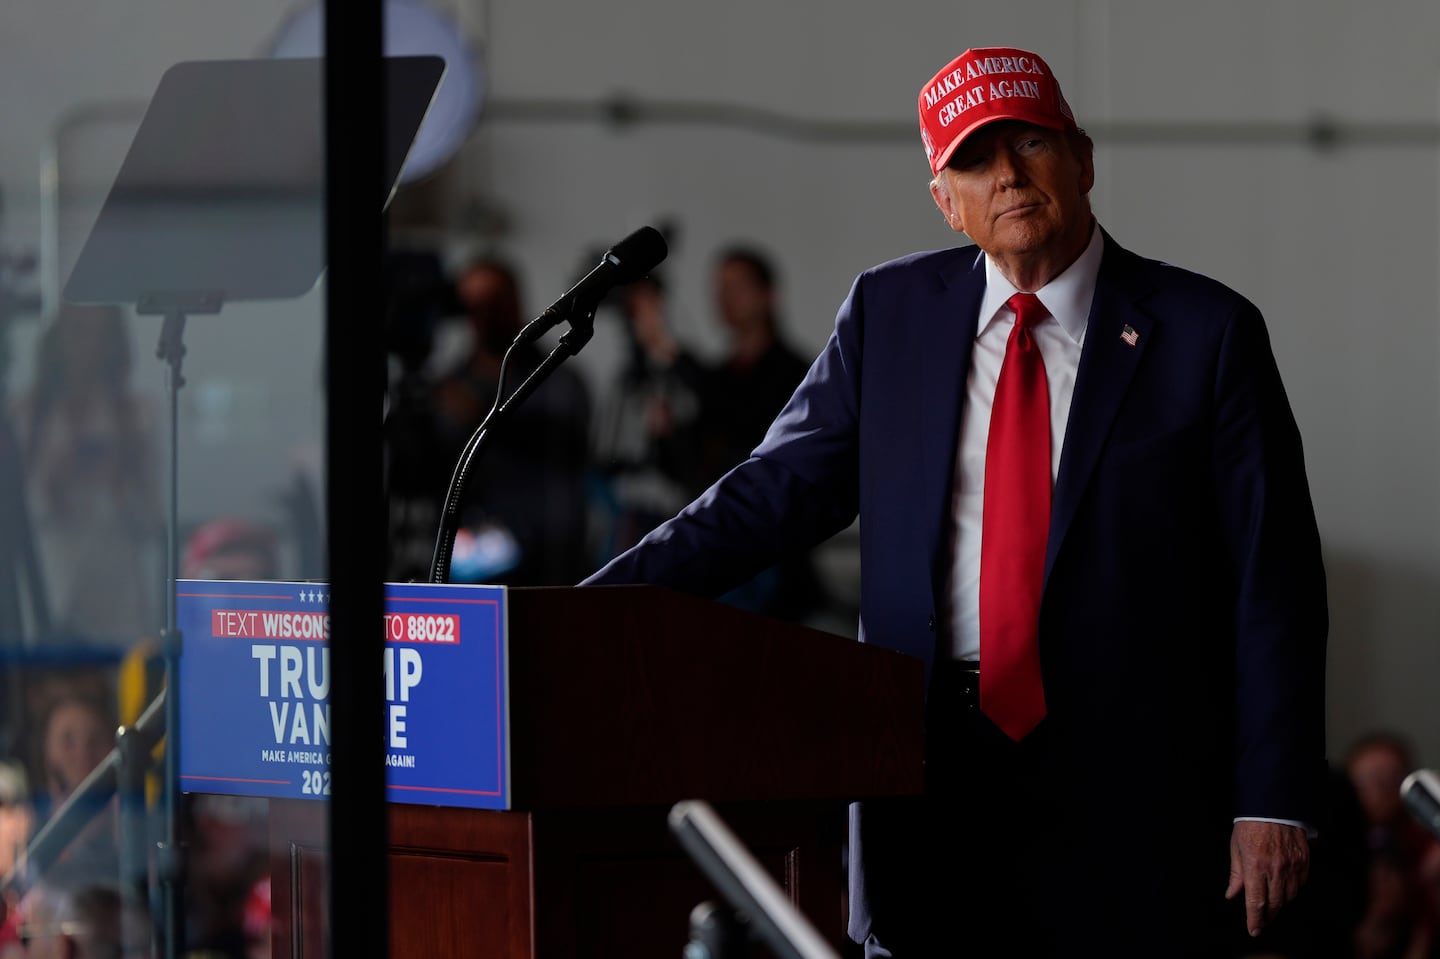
(76, 741)
(1018, 190)
(743, 300)
(489, 300)
(1377, 774)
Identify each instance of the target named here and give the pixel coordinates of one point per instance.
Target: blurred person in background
(523, 520)
(92, 480)
(647, 400)
(42, 688)
(17, 819)
(231, 548)
(258, 917)
(1403, 909)
(738, 396)
(72, 914)
(76, 735)
(734, 402)
(227, 854)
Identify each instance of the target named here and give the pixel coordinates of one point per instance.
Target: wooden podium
(625, 700)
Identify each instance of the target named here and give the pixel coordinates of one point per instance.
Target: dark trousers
(1011, 852)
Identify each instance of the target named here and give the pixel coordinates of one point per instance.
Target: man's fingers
(1256, 903)
(1287, 876)
(1268, 888)
(1254, 916)
(1270, 862)
(1236, 879)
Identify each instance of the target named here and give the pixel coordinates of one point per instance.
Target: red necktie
(1015, 527)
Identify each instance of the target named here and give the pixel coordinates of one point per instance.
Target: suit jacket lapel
(944, 368)
(1107, 363)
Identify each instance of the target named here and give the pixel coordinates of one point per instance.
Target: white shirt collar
(1067, 297)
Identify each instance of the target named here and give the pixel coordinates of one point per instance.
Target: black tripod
(170, 856)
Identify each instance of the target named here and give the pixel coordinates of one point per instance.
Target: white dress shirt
(1060, 337)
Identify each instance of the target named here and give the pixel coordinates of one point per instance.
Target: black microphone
(1421, 792)
(628, 260)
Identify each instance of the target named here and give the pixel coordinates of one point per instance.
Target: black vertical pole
(355, 390)
(171, 856)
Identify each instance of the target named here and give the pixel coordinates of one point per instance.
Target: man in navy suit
(1125, 731)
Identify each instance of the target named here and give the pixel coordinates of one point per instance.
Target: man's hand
(1269, 861)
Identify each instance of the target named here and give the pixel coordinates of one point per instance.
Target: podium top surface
(630, 695)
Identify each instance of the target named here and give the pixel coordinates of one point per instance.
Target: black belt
(955, 683)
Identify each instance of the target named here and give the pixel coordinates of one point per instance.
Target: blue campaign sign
(255, 685)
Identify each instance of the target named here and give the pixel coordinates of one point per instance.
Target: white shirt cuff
(1310, 831)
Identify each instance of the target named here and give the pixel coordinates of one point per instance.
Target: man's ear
(1087, 171)
(941, 195)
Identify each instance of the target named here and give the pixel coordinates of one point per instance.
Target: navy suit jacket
(1183, 619)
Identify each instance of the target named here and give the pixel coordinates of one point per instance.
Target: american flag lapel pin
(1129, 335)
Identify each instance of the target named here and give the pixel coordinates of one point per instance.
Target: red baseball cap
(984, 85)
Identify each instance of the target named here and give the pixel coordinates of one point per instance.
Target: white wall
(1339, 246)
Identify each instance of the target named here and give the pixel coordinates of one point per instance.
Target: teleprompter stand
(220, 198)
